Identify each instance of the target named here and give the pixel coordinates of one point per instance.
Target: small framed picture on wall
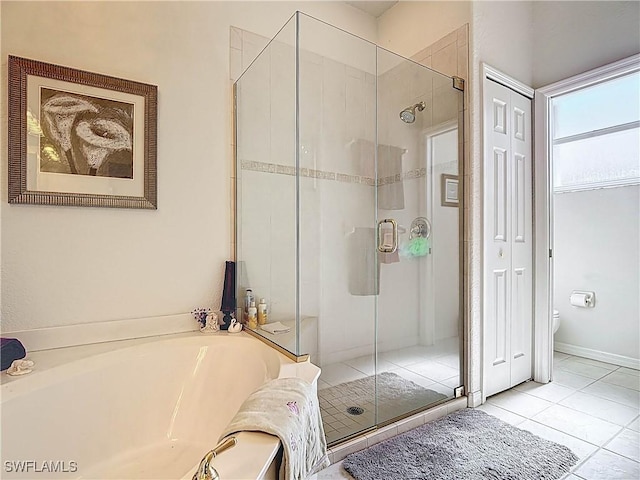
(449, 190)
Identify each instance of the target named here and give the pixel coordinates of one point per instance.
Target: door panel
(418, 305)
(518, 334)
(522, 245)
(499, 119)
(500, 194)
(520, 199)
(500, 314)
(508, 249)
(497, 246)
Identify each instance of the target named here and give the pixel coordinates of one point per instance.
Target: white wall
(408, 27)
(502, 36)
(596, 239)
(76, 265)
(573, 37)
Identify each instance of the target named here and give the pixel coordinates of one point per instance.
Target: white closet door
(521, 239)
(497, 281)
(507, 238)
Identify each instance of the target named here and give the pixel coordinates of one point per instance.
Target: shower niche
(348, 219)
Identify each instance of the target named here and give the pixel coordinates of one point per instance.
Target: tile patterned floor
(435, 368)
(591, 407)
(337, 422)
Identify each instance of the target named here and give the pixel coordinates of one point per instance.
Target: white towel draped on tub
(287, 408)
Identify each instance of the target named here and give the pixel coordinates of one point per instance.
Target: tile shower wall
(450, 56)
(337, 113)
(337, 195)
(337, 106)
(266, 143)
(433, 307)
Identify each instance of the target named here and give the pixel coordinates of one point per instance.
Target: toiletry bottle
(252, 318)
(262, 312)
(248, 298)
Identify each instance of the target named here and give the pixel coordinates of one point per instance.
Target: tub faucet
(206, 470)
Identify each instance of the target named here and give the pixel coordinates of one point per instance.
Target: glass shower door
(337, 247)
(348, 219)
(418, 317)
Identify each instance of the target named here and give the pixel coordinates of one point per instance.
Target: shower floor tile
(440, 360)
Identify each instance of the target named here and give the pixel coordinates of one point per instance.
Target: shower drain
(355, 410)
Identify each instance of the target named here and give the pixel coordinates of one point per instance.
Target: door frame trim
(543, 206)
(427, 136)
(505, 80)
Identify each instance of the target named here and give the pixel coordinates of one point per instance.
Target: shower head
(408, 115)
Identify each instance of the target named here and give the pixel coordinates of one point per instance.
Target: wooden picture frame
(449, 190)
(78, 138)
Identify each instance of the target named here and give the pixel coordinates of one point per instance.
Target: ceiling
(372, 8)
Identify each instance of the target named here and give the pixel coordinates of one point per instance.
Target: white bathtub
(149, 408)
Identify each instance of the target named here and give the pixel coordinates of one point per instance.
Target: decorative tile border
(324, 175)
(368, 181)
(417, 173)
(343, 177)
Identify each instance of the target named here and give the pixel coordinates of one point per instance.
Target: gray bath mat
(467, 444)
(351, 406)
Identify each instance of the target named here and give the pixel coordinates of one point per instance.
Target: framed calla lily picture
(80, 139)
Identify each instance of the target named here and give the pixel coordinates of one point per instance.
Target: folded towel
(275, 327)
(10, 349)
(287, 408)
(363, 157)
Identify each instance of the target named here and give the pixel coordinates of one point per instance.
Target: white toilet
(556, 320)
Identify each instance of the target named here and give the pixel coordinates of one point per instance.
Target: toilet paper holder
(581, 298)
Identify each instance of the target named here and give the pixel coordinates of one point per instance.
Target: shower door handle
(387, 235)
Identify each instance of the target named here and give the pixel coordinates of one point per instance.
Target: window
(596, 135)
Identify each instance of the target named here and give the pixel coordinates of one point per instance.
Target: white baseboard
(606, 357)
(98, 332)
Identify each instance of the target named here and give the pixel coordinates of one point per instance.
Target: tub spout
(206, 470)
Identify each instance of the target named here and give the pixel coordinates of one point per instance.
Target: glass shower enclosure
(348, 220)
